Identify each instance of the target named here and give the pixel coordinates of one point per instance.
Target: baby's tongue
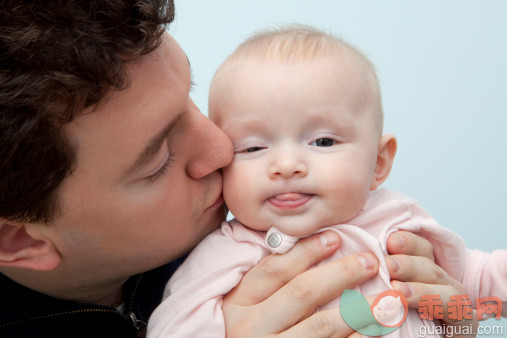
(290, 196)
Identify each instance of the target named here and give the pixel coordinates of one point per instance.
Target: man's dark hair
(57, 58)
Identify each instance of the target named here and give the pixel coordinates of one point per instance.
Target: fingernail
(404, 288)
(367, 260)
(392, 264)
(398, 240)
(329, 238)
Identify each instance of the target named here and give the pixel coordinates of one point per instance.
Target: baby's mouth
(289, 200)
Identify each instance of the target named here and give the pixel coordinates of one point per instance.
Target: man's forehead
(125, 122)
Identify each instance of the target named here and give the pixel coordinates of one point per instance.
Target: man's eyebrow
(153, 146)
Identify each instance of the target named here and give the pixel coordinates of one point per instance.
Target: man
(108, 170)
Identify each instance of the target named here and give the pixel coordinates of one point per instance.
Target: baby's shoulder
(384, 197)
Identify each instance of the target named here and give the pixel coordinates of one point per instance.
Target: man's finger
(407, 243)
(328, 323)
(421, 269)
(302, 295)
(274, 271)
(470, 324)
(356, 335)
(414, 292)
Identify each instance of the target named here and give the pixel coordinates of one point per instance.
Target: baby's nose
(287, 168)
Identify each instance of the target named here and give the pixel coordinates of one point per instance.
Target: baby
(304, 113)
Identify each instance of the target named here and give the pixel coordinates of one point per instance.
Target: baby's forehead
(299, 45)
(245, 76)
(305, 48)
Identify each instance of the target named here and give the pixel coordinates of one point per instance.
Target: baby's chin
(295, 225)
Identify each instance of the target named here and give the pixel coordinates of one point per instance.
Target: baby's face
(305, 142)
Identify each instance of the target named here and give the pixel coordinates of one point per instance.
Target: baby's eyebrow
(329, 114)
(252, 125)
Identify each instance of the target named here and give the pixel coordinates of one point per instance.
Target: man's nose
(210, 150)
(287, 166)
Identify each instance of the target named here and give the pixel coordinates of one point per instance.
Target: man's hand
(276, 296)
(413, 271)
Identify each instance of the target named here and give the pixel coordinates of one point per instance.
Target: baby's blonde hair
(295, 43)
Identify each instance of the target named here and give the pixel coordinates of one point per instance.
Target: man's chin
(215, 220)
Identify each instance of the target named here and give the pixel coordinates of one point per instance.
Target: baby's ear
(385, 158)
(19, 249)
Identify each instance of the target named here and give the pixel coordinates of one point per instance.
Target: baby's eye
(323, 142)
(253, 149)
(245, 149)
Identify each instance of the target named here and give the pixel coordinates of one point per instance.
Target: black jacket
(26, 313)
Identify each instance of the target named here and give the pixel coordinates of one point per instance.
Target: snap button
(274, 240)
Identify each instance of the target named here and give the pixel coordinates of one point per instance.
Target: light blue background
(443, 72)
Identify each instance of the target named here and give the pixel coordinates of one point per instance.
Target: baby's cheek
(349, 188)
(346, 197)
(237, 190)
(231, 189)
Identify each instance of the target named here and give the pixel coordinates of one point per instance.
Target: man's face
(146, 187)
(305, 141)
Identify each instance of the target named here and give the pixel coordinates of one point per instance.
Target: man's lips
(218, 202)
(289, 200)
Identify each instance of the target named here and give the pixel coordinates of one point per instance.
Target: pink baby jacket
(193, 297)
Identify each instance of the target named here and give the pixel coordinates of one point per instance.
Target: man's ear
(19, 249)
(385, 157)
